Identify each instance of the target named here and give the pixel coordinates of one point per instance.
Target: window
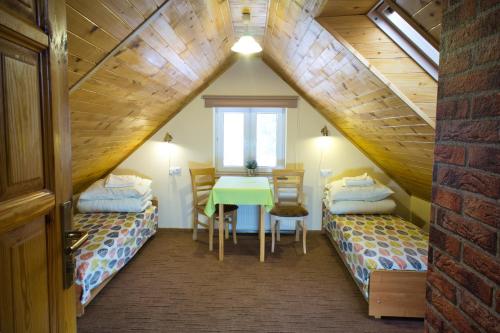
(409, 37)
(243, 134)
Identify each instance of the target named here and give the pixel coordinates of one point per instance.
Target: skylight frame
(406, 36)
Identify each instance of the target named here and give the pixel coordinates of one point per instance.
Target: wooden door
(35, 167)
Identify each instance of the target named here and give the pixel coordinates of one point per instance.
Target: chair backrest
(202, 182)
(288, 186)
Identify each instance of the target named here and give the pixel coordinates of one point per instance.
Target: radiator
(248, 221)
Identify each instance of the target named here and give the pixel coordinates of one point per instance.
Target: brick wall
(464, 270)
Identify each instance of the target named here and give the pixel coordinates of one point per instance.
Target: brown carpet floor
(176, 285)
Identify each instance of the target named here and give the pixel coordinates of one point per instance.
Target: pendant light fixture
(246, 44)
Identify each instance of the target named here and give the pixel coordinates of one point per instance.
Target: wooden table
(240, 191)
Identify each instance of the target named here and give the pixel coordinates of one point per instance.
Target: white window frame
(250, 137)
(416, 45)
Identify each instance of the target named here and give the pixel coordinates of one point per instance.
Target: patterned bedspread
(377, 242)
(114, 238)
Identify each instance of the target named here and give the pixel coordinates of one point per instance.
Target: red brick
(486, 106)
(442, 284)
(485, 264)
(449, 154)
(444, 242)
(447, 199)
(470, 131)
(486, 4)
(456, 63)
(475, 232)
(451, 313)
(497, 297)
(484, 158)
(468, 279)
(460, 14)
(482, 27)
(452, 109)
(482, 210)
(468, 180)
(475, 81)
(488, 51)
(481, 315)
(432, 319)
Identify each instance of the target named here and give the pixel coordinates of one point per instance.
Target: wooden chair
(202, 182)
(288, 193)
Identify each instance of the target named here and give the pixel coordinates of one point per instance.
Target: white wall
(192, 130)
(420, 212)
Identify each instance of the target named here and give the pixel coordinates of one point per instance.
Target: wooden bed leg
(80, 309)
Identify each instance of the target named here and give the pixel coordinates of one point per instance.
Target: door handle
(72, 240)
(79, 237)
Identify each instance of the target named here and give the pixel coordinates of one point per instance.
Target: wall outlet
(325, 173)
(175, 171)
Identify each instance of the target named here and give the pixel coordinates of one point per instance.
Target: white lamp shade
(246, 45)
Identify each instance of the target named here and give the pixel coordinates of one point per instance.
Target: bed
(114, 238)
(387, 258)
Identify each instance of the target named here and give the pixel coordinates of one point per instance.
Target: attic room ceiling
(143, 70)
(146, 82)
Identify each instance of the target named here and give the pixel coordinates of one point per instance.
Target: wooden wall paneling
(347, 7)
(258, 18)
(82, 27)
(427, 14)
(146, 7)
(407, 79)
(347, 92)
(150, 77)
(102, 16)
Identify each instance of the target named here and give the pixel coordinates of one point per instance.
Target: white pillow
(338, 192)
(385, 206)
(97, 191)
(363, 180)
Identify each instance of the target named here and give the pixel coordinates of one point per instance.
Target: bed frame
(391, 293)
(80, 308)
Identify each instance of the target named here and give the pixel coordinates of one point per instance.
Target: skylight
(403, 33)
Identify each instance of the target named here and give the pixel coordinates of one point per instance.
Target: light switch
(175, 171)
(325, 172)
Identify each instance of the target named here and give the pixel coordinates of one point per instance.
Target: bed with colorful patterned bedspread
(377, 242)
(114, 238)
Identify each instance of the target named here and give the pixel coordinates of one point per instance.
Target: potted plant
(251, 166)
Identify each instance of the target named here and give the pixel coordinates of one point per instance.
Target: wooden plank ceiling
(258, 18)
(372, 46)
(147, 81)
(349, 94)
(333, 8)
(426, 13)
(143, 70)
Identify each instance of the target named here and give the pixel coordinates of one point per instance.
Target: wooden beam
(121, 45)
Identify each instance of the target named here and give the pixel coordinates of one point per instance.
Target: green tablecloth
(240, 191)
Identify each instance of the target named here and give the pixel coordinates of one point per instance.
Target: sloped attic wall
(132, 92)
(365, 108)
(146, 81)
(192, 130)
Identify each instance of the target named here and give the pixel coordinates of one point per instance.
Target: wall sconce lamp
(168, 137)
(324, 131)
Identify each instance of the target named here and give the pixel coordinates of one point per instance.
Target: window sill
(244, 173)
